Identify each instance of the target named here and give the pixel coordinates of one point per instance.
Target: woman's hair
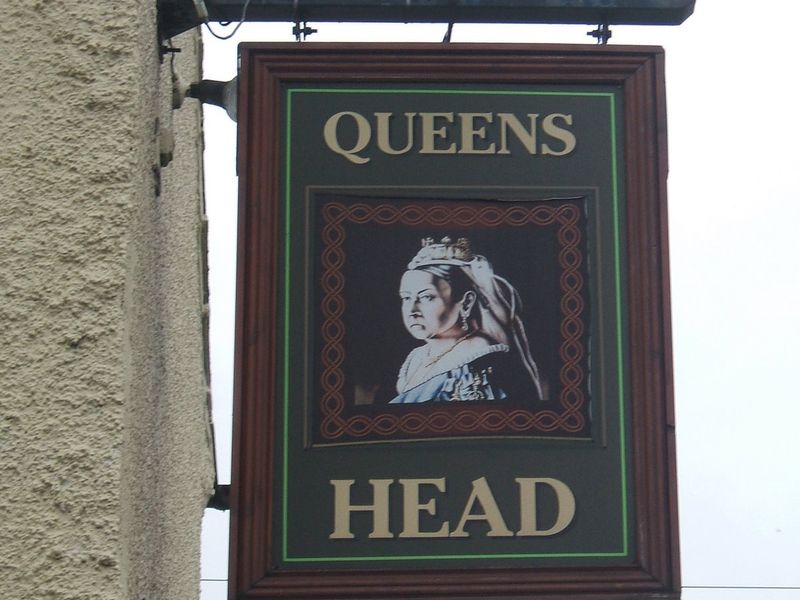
(460, 284)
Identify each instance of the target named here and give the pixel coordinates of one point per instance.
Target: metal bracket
(449, 34)
(221, 500)
(177, 16)
(301, 33)
(165, 49)
(602, 34)
(579, 12)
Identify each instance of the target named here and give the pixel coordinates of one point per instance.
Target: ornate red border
(467, 419)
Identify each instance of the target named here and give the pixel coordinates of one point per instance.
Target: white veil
(498, 301)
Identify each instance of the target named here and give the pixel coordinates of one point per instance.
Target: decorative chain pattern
(568, 419)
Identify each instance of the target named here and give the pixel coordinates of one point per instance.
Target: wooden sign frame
(279, 442)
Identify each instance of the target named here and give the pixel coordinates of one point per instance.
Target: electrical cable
(226, 23)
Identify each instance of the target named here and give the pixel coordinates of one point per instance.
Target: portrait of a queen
(468, 320)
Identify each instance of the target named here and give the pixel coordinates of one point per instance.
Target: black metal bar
(221, 500)
(177, 16)
(612, 12)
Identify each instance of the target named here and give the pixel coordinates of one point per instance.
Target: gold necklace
(450, 349)
(429, 365)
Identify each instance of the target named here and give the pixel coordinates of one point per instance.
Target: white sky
(733, 81)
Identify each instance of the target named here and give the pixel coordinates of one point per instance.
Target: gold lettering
(412, 507)
(430, 133)
(491, 513)
(342, 509)
(384, 144)
(449, 133)
(525, 137)
(469, 133)
(559, 133)
(330, 134)
(527, 506)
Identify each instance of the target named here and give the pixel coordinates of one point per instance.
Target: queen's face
(428, 308)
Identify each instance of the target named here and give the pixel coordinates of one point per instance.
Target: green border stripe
(618, 291)
(619, 329)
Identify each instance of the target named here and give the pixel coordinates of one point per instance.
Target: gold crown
(445, 252)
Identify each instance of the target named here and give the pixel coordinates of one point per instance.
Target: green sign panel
(440, 335)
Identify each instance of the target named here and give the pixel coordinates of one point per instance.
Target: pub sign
(453, 368)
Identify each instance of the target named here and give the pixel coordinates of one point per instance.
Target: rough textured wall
(105, 458)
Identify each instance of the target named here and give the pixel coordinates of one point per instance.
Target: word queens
(354, 136)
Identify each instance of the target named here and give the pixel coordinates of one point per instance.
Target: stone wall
(105, 451)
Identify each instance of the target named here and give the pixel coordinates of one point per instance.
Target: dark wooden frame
(640, 73)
